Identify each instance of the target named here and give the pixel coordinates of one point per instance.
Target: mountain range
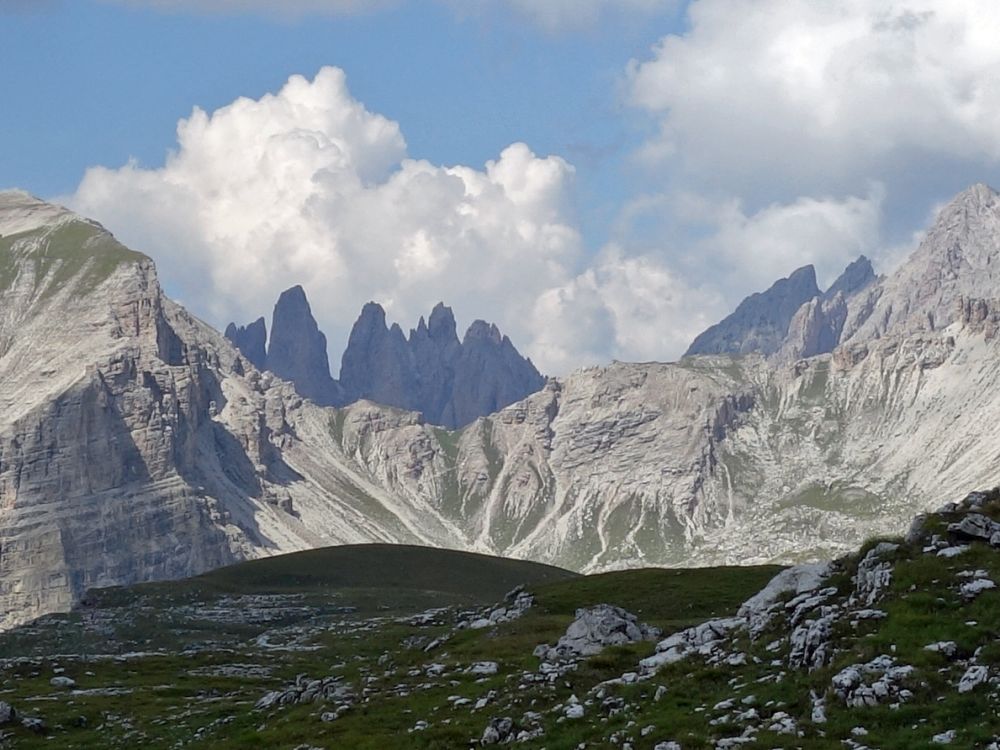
(138, 443)
(450, 382)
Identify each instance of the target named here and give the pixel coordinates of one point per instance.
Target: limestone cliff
(450, 382)
(760, 322)
(137, 443)
(251, 340)
(297, 349)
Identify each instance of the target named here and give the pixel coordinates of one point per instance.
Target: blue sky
(99, 83)
(602, 178)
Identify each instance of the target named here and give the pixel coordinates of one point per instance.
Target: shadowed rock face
(760, 323)
(856, 277)
(378, 364)
(489, 375)
(452, 383)
(297, 350)
(251, 340)
(818, 326)
(776, 324)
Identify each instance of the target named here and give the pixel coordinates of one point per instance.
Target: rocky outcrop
(596, 628)
(792, 320)
(760, 322)
(378, 364)
(818, 326)
(956, 259)
(489, 374)
(297, 349)
(450, 382)
(858, 276)
(251, 340)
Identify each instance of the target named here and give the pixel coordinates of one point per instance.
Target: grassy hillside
(70, 251)
(401, 640)
(182, 663)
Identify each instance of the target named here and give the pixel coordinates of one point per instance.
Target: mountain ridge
(711, 460)
(450, 381)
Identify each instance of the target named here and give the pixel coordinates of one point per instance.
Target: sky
(601, 178)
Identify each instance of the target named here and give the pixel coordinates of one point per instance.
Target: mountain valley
(137, 443)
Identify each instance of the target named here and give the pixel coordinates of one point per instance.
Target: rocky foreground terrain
(892, 646)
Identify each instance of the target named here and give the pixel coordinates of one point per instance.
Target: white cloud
(799, 95)
(306, 186)
(755, 250)
(634, 304)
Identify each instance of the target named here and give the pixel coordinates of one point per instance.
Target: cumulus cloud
(307, 186)
(801, 95)
(625, 307)
(787, 132)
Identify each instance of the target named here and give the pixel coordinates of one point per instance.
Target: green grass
(75, 252)
(172, 696)
(177, 700)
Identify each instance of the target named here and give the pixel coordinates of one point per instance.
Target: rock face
(489, 374)
(818, 326)
(450, 382)
(792, 320)
(956, 260)
(251, 340)
(297, 350)
(136, 443)
(761, 321)
(856, 277)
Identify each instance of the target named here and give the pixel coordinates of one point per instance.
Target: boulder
(974, 676)
(595, 628)
(499, 731)
(975, 526)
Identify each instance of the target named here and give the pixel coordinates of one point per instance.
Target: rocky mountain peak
(23, 212)
(855, 277)
(959, 257)
(480, 330)
(421, 372)
(441, 324)
(251, 340)
(297, 349)
(371, 319)
(760, 322)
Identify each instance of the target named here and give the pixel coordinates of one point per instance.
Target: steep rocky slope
(760, 322)
(791, 320)
(296, 351)
(137, 443)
